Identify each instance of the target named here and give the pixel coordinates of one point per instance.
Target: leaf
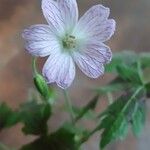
(125, 57)
(116, 85)
(128, 58)
(137, 123)
(62, 139)
(8, 117)
(116, 130)
(114, 123)
(117, 116)
(35, 117)
(129, 73)
(138, 119)
(145, 60)
(123, 130)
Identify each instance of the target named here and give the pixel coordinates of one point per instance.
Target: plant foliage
(129, 91)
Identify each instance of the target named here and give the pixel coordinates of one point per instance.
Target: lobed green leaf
(117, 117)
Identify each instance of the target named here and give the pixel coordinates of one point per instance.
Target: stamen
(69, 42)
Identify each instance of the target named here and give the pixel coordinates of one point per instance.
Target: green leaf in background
(35, 117)
(116, 85)
(62, 139)
(117, 116)
(110, 88)
(129, 73)
(145, 60)
(128, 58)
(124, 57)
(138, 118)
(114, 128)
(8, 117)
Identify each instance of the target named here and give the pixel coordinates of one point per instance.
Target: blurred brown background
(133, 33)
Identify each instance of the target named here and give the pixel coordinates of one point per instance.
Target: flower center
(69, 42)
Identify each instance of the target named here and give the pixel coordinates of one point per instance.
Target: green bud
(42, 86)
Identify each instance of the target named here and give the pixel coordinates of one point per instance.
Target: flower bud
(42, 86)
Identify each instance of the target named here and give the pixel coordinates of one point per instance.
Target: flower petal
(40, 41)
(95, 24)
(92, 58)
(69, 12)
(103, 31)
(52, 14)
(98, 51)
(59, 68)
(96, 11)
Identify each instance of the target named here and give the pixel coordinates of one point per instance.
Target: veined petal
(52, 14)
(103, 31)
(98, 51)
(69, 12)
(59, 68)
(95, 24)
(90, 61)
(96, 11)
(40, 41)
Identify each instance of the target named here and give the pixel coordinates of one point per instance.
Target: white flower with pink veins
(68, 40)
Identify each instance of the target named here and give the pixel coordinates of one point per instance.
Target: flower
(68, 40)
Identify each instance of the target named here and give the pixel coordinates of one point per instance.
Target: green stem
(90, 106)
(69, 105)
(132, 97)
(34, 68)
(85, 138)
(110, 98)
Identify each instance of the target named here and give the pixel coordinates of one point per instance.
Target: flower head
(68, 40)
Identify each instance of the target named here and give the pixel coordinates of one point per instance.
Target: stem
(34, 68)
(69, 105)
(90, 106)
(133, 96)
(110, 98)
(84, 139)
